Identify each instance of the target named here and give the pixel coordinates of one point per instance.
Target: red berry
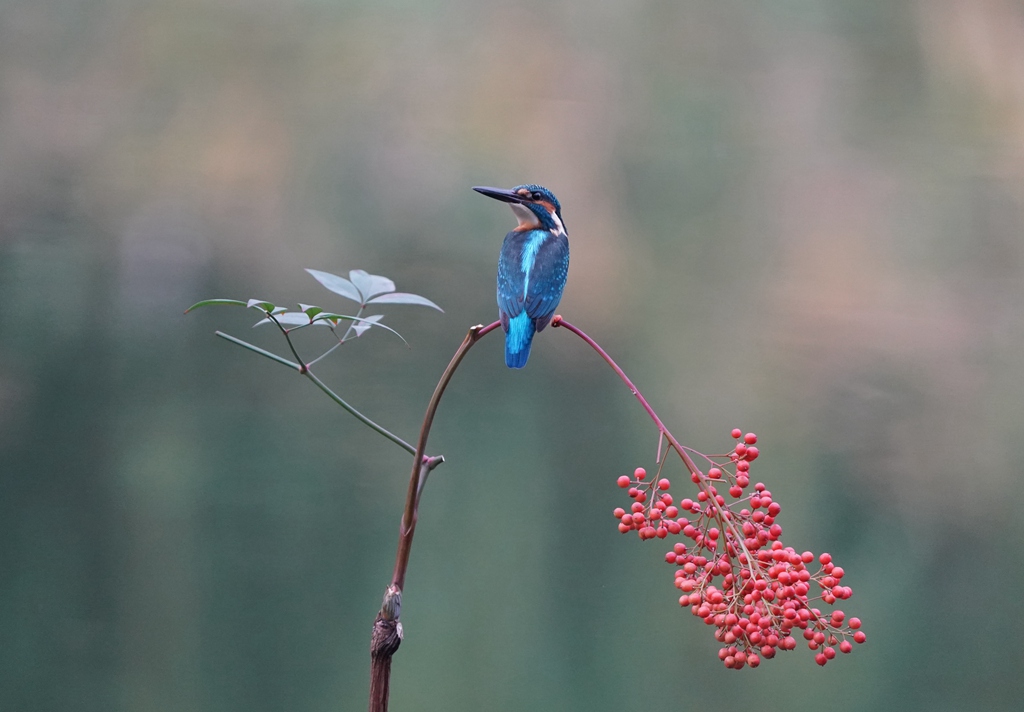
(854, 623)
(859, 637)
(623, 481)
(752, 453)
(639, 473)
(664, 484)
(619, 511)
(820, 659)
(741, 449)
(825, 558)
(736, 491)
(714, 473)
(624, 528)
(737, 433)
(750, 438)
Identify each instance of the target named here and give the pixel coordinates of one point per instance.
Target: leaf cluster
(361, 287)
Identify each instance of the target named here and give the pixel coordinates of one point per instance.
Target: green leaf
(403, 298)
(370, 285)
(262, 305)
(208, 302)
(309, 310)
(338, 285)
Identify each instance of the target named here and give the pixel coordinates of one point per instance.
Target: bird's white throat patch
(528, 219)
(525, 216)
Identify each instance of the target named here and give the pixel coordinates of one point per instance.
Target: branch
(387, 629)
(420, 469)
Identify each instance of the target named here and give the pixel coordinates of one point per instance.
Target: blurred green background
(798, 217)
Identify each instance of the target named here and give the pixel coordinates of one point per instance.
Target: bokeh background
(798, 217)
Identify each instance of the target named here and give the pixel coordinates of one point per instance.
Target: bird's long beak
(506, 196)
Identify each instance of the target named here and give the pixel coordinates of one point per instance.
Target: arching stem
(387, 628)
(699, 477)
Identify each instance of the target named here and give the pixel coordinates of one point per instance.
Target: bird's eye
(536, 195)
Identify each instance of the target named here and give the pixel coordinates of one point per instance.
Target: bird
(532, 266)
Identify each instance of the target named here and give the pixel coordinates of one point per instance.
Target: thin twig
(257, 349)
(359, 416)
(341, 339)
(304, 370)
(284, 331)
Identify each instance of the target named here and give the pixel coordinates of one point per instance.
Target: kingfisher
(532, 266)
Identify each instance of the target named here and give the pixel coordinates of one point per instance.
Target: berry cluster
(766, 587)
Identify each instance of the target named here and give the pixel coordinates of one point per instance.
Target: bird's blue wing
(547, 280)
(510, 277)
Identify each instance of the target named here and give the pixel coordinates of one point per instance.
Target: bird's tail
(518, 340)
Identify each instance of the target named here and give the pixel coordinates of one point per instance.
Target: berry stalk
(766, 589)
